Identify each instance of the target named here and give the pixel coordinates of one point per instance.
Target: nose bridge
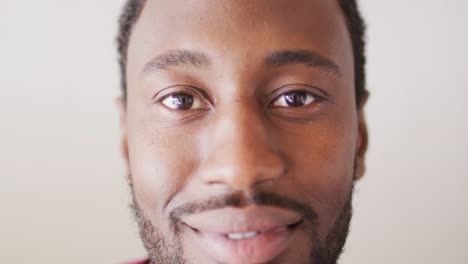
(242, 124)
(240, 152)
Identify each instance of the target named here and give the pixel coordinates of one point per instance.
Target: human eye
(294, 99)
(183, 100)
(179, 101)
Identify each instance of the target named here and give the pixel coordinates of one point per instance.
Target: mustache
(240, 200)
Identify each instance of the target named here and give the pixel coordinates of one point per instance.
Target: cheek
(322, 165)
(160, 162)
(328, 172)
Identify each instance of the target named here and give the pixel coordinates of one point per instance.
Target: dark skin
(235, 98)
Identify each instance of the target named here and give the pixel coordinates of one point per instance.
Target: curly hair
(354, 21)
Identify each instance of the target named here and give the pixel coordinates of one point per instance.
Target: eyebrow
(306, 57)
(176, 58)
(183, 58)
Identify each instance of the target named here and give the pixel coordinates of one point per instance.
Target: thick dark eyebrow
(175, 58)
(305, 57)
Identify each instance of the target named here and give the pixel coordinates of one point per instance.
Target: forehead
(239, 32)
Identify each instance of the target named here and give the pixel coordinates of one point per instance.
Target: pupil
(182, 101)
(296, 99)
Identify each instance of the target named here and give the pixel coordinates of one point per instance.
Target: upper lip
(241, 220)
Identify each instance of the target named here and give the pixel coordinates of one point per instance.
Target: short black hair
(355, 23)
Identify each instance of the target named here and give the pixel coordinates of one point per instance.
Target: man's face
(241, 130)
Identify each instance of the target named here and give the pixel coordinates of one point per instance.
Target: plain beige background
(63, 195)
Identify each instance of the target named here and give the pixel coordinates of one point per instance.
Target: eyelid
(181, 89)
(316, 92)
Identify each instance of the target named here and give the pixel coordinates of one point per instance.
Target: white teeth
(236, 236)
(239, 236)
(250, 235)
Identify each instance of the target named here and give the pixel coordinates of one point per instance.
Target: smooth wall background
(63, 194)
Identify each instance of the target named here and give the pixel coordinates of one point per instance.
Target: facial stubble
(163, 251)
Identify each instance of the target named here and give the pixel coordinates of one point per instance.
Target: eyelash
(315, 98)
(196, 95)
(188, 90)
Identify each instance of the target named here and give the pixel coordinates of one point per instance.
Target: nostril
(265, 182)
(215, 183)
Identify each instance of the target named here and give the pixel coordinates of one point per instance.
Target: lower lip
(259, 249)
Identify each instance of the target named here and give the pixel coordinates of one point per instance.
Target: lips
(255, 234)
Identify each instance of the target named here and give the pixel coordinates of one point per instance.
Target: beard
(164, 251)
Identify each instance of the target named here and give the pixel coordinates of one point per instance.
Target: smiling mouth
(257, 234)
(247, 246)
(252, 234)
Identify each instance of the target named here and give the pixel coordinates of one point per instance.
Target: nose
(241, 152)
